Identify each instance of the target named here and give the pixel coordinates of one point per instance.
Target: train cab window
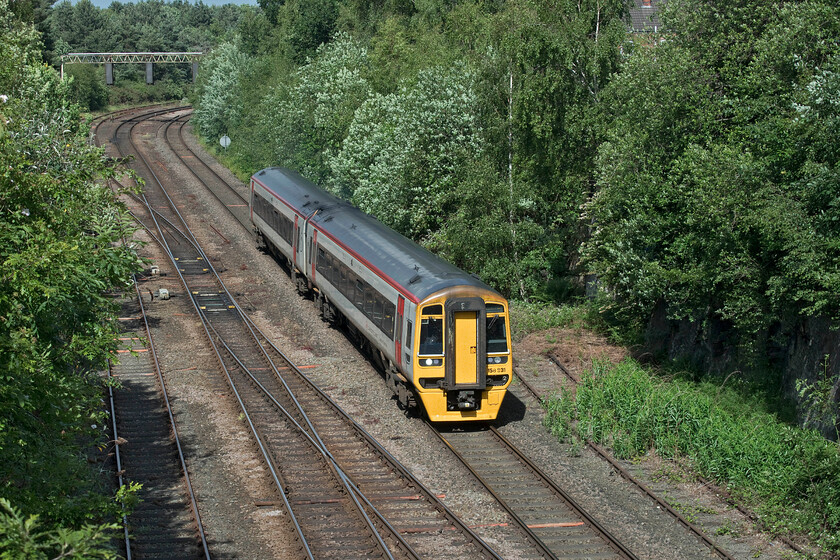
(431, 331)
(496, 329)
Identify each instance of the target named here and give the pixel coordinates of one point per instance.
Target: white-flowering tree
(402, 152)
(219, 106)
(308, 118)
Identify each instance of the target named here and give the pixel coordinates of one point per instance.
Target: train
(440, 335)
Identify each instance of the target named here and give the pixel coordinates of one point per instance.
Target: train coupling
(462, 400)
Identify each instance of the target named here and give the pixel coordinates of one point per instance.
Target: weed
(728, 528)
(526, 318)
(666, 472)
(576, 446)
(790, 475)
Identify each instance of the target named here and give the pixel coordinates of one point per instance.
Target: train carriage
(440, 334)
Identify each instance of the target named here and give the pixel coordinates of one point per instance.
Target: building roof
(644, 16)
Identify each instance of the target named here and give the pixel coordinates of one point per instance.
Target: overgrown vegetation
(791, 476)
(470, 127)
(60, 253)
(532, 143)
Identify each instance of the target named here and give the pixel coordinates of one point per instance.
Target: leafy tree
(88, 86)
(308, 117)
(60, 252)
(402, 152)
(219, 107)
(716, 183)
(312, 24)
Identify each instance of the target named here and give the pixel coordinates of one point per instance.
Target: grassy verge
(790, 476)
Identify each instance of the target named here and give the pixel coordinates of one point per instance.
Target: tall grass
(789, 475)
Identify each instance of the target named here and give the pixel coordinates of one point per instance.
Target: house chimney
(646, 4)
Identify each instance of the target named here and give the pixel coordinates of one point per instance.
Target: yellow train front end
(462, 360)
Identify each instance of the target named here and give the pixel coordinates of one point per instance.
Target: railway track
(563, 531)
(555, 523)
(166, 522)
(336, 505)
(541, 388)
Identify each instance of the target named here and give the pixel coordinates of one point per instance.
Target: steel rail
(315, 440)
(314, 437)
(172, 424)
(536, 540)
(624, 473)
(394, 463)
(167, 250)
(244, 409)
(119, 462)
(208, 324)
(181, 458)
(190, 237)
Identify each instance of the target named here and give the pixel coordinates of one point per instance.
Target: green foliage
(403, 151)
(88, 88)
(26, 537)
(60, 253)
(716, 183)
(791, 475)
(219, 90)
(312, 25)
(307, 117)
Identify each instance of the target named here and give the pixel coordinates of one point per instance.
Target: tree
(60, 252)
(312, 24)
(308, 115)
(716, 184)
(219, 105)
(403, 151)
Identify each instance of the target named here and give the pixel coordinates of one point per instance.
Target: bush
(792, 476)
(88, 87)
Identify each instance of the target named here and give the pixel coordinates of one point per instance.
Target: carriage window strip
(375, 306)
(275, 219)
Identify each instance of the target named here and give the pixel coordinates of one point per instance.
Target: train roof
(418, 271)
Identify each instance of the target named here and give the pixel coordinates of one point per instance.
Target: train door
(398, 332)
(466, 352)
(295, 241)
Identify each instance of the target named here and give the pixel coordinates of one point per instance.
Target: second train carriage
(440, 334)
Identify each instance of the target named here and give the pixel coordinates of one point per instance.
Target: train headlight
(496, 359)
(431, 362)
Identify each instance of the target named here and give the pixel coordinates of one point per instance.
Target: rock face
(805, 353)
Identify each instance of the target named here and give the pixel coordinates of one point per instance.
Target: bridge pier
(109, 73)
(150, 75)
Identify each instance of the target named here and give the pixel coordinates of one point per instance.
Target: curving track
(166, 523)
(349, 498)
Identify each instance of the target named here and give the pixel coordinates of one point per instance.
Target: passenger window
(408, 333)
